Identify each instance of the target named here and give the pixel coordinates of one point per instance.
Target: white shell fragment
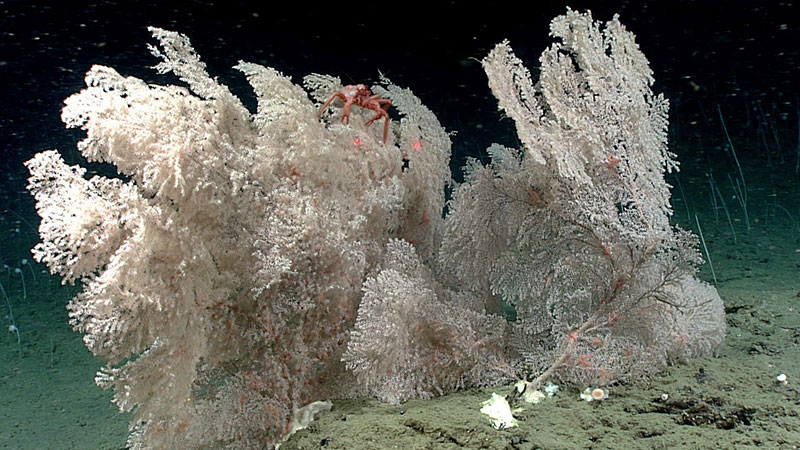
(499, 411)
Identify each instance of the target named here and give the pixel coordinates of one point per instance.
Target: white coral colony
(229, 279)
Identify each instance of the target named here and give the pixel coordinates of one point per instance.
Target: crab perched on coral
(361, 95)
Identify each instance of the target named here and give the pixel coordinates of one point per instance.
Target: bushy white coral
(573, 228)
(245, 265)
(412, 338)
(223, 277)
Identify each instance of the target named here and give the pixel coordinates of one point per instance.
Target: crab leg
(335, 94)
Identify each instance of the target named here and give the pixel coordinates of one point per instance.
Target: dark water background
(738, 58)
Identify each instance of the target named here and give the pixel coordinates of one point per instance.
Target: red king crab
(361, 95)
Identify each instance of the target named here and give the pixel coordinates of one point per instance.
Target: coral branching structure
(244, 265)
(574, 226)
(222, 276)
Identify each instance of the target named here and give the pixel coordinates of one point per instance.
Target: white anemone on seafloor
(594, 394)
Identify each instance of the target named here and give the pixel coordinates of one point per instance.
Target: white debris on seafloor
(498, 409)
(550, 389)
(531, 395)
